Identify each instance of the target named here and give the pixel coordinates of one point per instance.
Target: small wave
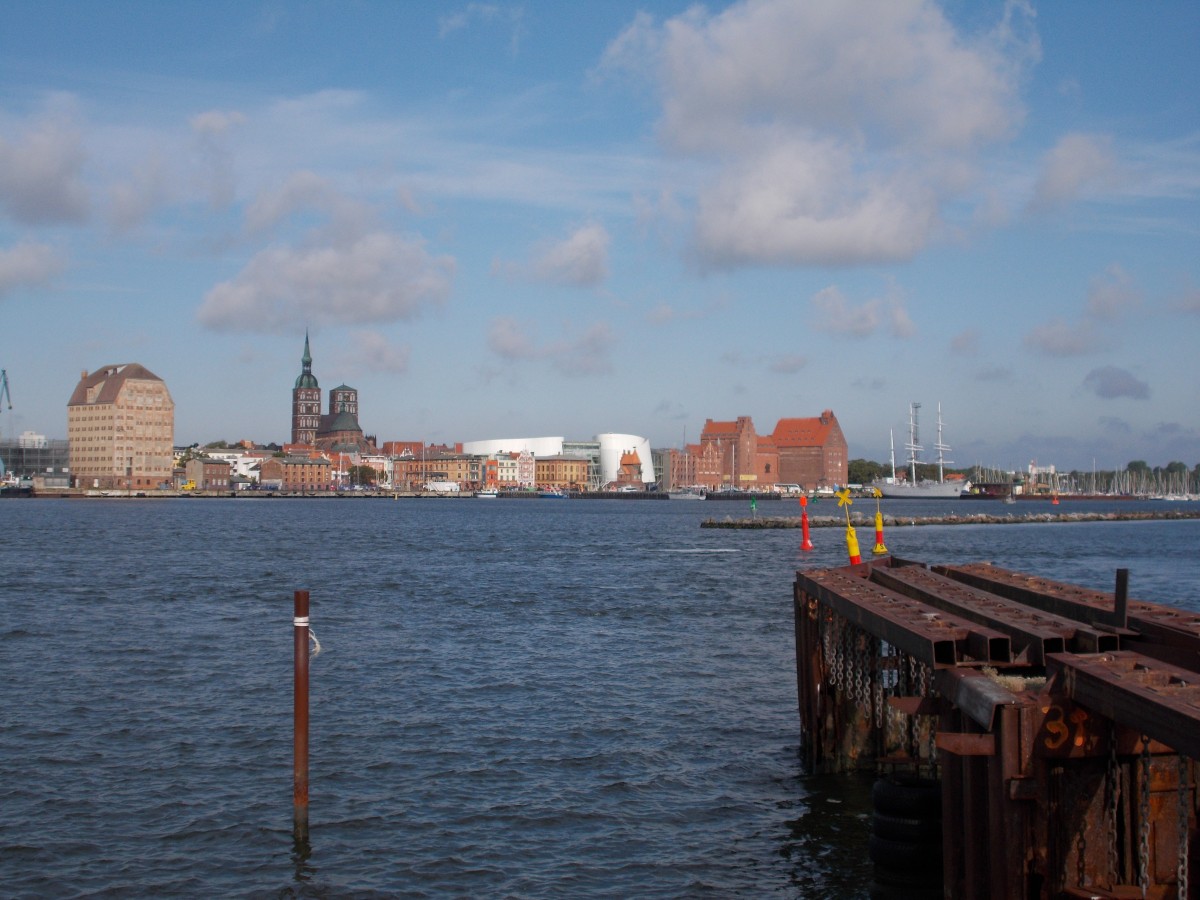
(695, 550)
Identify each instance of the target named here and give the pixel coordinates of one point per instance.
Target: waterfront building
(566, 473)
(413, 473)
(34, 456)
(731, 454)
(733, 445)
(297, 474)
(812, 451)
(207, 473)
(120, 429)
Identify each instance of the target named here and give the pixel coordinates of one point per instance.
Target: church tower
(306, 402)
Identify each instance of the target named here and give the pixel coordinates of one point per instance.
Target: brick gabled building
(812, 452)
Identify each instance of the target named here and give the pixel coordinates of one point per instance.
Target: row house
(516, 470)
(568, 473)
(297, 474)
(412, 474)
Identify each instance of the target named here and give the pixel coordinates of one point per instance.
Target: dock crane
(4, 394)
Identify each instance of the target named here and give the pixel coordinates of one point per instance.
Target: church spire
(306, 379)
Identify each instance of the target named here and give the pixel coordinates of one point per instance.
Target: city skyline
(537, 218)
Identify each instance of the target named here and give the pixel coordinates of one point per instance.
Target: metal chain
(1112, 803)
(1181, 870)
(1144, 817)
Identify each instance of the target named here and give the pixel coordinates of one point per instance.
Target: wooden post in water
(300, 720)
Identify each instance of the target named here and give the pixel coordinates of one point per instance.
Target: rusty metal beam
(1139, 692)
(1175, 631)
(1034, 633)
(926, 633)
(975, 694)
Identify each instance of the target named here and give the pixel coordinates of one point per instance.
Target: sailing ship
(912, 488)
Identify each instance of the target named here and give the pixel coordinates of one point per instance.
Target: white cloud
(585, 354)
(800, 202)
(308, 192)
(1110, 382)
(1075, 166)
(27, 264)
(579, 260)
(370, 351)
(837, 315)
(41, 175)
(131, 202)
(212, 131)
(837, 132)
(379, 277)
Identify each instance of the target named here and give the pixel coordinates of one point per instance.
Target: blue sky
(569, 218)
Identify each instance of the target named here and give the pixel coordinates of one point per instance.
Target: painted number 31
(1059, 732)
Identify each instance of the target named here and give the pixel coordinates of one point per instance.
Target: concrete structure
(538, 446)
(613, 449)
(120, 429)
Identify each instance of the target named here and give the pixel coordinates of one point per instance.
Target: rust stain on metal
(1062, 722)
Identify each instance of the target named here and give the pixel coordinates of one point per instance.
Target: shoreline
(858, 520)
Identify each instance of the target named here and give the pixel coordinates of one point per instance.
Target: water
(514, 699)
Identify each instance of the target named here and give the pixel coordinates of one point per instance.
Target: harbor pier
(1031, 738)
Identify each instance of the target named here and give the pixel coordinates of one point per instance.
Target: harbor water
(534, 699)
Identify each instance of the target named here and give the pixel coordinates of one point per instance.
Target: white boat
(488, 493)
(913, 489)
(686, 494)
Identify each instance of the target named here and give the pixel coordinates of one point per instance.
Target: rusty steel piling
(1061, 725)
(300, 719)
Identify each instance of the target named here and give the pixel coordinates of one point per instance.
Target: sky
(543, 218)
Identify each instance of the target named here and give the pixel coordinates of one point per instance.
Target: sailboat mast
(914, 444)
(892, 446)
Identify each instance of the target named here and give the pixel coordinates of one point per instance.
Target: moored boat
(914, 488)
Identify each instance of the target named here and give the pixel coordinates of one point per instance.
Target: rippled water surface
(514, 698)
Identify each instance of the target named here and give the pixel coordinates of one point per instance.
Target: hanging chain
(1113, 803)
(1144, 817)
(1181, 870)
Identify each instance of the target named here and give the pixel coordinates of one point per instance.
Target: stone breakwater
(859, 520)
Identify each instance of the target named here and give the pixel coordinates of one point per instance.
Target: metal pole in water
(300, 720)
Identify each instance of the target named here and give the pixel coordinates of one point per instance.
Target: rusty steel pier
(1056, 727)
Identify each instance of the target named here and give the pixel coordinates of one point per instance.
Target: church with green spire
(306, 402)
(336, 431)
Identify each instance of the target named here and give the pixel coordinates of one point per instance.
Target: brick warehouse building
(811, 452)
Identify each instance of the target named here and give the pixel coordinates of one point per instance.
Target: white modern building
(614, 446)
(606, 451)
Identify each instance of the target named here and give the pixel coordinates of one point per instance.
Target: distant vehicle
(188, 486)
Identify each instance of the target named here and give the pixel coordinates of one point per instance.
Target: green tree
(1138, 467)
(362, 475)
(863, 471)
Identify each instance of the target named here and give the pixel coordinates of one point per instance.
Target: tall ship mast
(913, 488)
